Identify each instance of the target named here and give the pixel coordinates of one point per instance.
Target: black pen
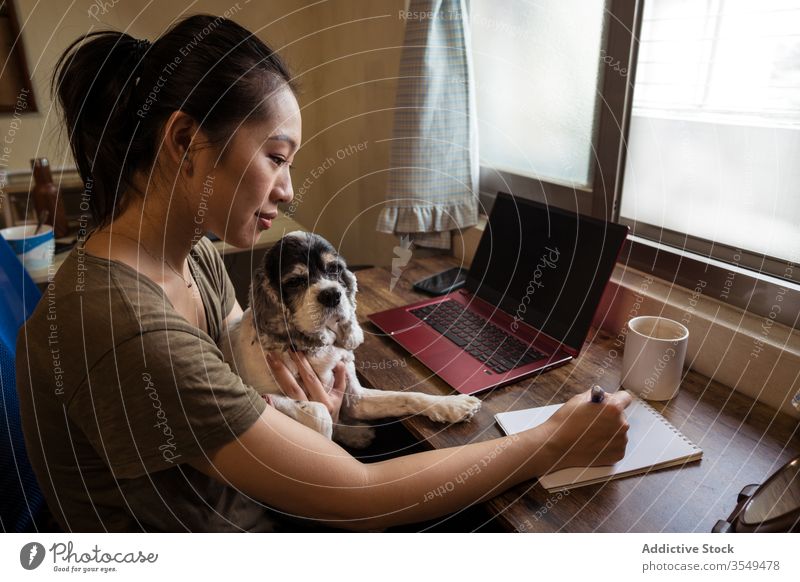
(598, 394)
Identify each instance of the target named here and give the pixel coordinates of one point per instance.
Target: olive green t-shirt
(118, 392)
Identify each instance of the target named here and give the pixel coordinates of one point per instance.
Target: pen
(598, 394)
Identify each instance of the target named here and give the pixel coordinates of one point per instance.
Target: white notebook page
(652, 442)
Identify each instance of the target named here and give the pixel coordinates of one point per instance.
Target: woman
(132, 420)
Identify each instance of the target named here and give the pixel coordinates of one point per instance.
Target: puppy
(303, 297)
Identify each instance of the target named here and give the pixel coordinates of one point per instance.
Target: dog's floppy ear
(351, 284)
(269, 312)
(350, 333)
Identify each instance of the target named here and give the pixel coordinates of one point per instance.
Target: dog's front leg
(374, 404)
(371, 404)
(311, 414)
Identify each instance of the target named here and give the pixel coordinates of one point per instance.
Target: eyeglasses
(773, 506)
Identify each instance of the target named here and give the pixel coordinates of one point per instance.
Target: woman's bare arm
(233, 316)
(297, 470)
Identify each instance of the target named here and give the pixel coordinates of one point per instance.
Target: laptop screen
(545, 266)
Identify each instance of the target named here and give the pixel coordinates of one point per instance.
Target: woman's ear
(179, 132)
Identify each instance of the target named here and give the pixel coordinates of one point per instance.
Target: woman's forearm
(434, 483)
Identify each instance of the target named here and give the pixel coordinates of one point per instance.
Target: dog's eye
(295, 282)
(333, 271)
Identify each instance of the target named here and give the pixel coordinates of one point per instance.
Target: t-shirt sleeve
(160, 399)
(215, 268)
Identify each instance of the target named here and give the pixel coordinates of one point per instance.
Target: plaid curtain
(433, 182)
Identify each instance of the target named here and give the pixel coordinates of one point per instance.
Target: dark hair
(116, 93)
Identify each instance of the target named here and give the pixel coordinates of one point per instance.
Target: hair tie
(140, 51)
(141, 48)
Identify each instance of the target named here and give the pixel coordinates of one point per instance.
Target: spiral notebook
(653, 443)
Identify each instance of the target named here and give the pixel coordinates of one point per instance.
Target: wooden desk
(743, 441)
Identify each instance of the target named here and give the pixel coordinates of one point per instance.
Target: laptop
(531, 293)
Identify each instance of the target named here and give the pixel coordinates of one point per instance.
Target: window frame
(723, 252)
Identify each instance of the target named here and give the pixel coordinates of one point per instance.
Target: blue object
(23, 245)
(21, 500)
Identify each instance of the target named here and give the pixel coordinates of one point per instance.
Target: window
(523, 127)
(714, 135)
(550, 89)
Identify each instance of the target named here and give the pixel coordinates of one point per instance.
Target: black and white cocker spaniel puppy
(303, 297)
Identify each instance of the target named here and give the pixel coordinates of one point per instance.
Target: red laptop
(529, 299)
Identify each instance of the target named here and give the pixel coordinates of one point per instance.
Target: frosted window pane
(715, 129)
(536, 76)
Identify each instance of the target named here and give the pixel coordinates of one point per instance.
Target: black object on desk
(773, 506)
(443, 283)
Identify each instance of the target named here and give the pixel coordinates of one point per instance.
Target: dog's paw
(454, 408)
(314, 415)
(354, 436)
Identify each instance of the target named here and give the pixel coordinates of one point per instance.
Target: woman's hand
(312, 388)
(585, 433)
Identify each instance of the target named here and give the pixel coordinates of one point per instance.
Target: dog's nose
(329, 297)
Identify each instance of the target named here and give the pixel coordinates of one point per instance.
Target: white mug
(655, 349)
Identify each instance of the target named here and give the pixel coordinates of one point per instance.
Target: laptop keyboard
(477, 336)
